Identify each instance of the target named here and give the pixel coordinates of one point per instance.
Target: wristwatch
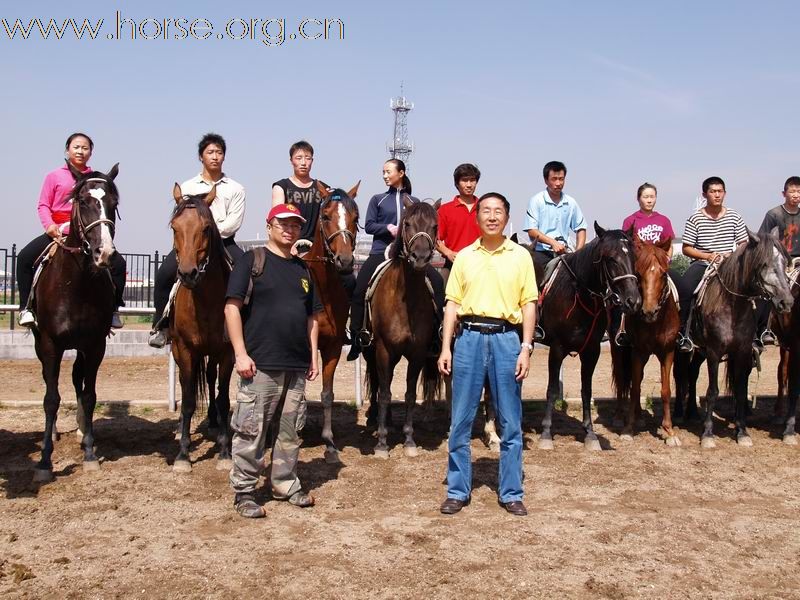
(526, 346)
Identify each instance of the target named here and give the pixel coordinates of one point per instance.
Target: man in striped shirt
(710, 235)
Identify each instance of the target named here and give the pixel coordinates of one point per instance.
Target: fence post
(152, 277)
(13, 283)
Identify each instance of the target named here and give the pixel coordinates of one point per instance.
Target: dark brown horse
(404, 322)
(573, 315)
(74, 304)
(197, 323)
(724, 326)
(651, 330)
(331, 255)
(787, 328)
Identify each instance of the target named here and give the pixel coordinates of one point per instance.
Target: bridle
(203, 264)
(406, 253)
(83, 229)
(606, 278)
(330, 255)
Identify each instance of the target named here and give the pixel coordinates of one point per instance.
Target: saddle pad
(700, 290)
(674, 291)
(172, 293)
(550, 271)
(376, 277)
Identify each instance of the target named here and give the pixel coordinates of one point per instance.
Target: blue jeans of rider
(476, 357)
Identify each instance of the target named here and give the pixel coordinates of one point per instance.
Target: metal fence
(140, 278)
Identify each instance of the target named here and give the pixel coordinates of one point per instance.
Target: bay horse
(197, 322)
(404, 322)
(74, 300)
(330, 256)
(787, 330)
(724, 324)
(651, 330)
(573, 315)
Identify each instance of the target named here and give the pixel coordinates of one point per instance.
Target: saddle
(365, 335)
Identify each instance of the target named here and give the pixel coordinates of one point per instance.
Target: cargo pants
(270, 397)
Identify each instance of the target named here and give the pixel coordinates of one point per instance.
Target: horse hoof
(78, 434)
(90, 466)
(382, 454)
(708, 443)
(410, 451)
(223, 464)
(673, 441)
(43, 475)
(745, 441)
(545, 444)
(332, 457)
(592, 445)
(626, 437)
(790, 440)
(182, 466)
(177, 436)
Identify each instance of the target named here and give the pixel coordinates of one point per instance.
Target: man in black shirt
(274, 339)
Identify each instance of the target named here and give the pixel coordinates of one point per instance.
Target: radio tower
(400, 146)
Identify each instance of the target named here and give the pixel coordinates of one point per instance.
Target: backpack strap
(259, 258)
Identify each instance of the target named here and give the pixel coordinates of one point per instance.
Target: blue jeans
(476, 357)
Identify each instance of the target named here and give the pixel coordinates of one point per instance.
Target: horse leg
(374, 384)
(692, 411)
(223, 407)
(51, 367)
(554, 359)
(490, 437)
(666, 419)
(742, 365)
(620, 358)
(707, 439)
(186, 368)
(329, 363)
(778, 417)
(635, 396)
(384, 369)
(793, 391)
(680, 371)
(588, 362)
(78, 384)
(412, 376)
(211, 385)
(88, 400)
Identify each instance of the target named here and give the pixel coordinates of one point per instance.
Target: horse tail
(198, 388)
(621, 374)
(371, 382)
(431, 381)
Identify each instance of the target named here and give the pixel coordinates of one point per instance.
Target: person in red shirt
(458, 227)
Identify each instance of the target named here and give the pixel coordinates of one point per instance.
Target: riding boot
(538, 331)
(684, 342)
(355, 347)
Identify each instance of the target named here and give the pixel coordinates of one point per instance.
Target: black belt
(486, 324)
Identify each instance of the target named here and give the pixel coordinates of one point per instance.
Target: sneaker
(26, 318)
(246, 505)
(116, 321)
(158, 338)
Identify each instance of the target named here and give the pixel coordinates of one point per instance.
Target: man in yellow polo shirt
(490, 292)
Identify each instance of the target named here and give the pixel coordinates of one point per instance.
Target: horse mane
(737, 271)
(339, 195)
(396, 249)
(649, 254)
(198, 203)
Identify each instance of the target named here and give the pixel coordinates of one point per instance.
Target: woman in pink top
(649, 225)
(55, 208)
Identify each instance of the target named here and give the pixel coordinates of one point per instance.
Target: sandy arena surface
(638, 520)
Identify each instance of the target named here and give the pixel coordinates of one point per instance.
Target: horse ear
(354, 190)
(177, 193)
(211, 195)
(776, 234)
(112, 174)
(599, 230)
(437, 204)
(753, 238)
(323, 191)
(514, 238)
(407, 201)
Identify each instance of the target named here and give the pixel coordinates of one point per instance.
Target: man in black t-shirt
(786, 218)
(274, 339)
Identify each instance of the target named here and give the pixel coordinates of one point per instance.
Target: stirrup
(538, 333)
(364, 338)
(621, 339)
(685, 343)
(767, 337)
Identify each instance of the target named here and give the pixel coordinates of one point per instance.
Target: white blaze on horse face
(106, 241)
(342, 217)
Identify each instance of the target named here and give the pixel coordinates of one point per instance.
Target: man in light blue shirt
(552, 216)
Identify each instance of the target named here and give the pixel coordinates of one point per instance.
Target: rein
(407, 243)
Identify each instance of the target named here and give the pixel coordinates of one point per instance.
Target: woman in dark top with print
(383, 217)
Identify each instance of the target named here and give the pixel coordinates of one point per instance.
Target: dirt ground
(638, 519)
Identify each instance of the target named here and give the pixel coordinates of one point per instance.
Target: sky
(622, 92)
